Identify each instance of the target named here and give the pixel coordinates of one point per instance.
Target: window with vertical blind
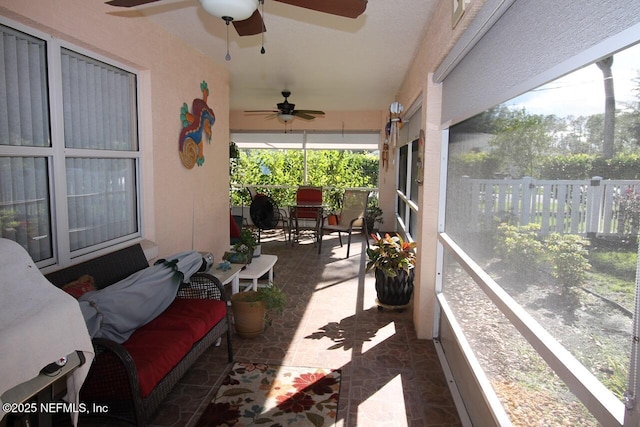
(68, 148)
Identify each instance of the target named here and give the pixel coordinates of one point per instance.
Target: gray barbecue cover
(116, 311)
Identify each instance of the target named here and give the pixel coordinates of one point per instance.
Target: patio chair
(308, 209)
(252, 192)
(351, 217)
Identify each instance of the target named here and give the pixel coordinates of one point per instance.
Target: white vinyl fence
(587, 207)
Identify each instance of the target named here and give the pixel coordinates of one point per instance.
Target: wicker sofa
(131, 379)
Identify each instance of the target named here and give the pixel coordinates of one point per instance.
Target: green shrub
(474, 165)
(571, 166)
(622, 166)
(524, 252)
(569, 256)
(520, 247)
(585, 166)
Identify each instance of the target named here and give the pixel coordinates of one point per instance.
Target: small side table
(229, 276)
(259, 267)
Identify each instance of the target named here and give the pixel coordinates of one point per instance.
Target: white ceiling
(327, 62)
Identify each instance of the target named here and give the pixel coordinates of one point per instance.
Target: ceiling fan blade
(346, 8)
(250, 26)
(129, 3)
(316, 112)
(303, 115)
(261, 111)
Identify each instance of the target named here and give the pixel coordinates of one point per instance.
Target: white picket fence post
(527, 201)
(594, 205)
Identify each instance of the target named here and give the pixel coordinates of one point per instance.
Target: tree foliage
(522, 140)
(551, 147)
(327, 168)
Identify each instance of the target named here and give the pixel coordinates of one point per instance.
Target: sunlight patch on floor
(376, 410)
(381, 335)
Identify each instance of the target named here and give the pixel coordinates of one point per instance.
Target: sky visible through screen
(581, 93)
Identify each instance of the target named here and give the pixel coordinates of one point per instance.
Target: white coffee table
(259, 267)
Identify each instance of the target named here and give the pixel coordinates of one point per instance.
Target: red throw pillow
(234, 230)
(80, 286)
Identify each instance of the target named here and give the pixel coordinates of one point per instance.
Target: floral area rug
(274, 396)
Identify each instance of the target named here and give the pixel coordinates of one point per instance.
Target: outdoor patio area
(389, 378)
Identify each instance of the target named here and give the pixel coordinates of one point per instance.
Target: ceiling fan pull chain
(262, 51)
(227, 20)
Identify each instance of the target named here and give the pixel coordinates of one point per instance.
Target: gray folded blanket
(116, 311)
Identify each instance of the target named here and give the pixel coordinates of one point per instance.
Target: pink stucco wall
(183, 208)
(439, 37)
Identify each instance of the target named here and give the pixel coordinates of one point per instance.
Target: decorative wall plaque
(195, 125)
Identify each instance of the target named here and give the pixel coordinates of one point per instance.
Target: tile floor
(389, 378)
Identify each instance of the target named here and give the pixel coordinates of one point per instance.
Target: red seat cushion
(159, 345)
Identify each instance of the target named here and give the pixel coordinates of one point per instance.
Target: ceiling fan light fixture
(285, 117)
(237, 10)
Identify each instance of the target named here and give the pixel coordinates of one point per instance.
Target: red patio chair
(308, 208)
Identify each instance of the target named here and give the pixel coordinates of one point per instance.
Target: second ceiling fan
(246, 18)
(287, 111)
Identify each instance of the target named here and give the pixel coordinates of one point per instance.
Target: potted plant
(393, 261)
(372, 216)
(251, 309)
(243, 250)
(249, 238)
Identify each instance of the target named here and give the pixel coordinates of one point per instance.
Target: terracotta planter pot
(248, 316)
(394, 290)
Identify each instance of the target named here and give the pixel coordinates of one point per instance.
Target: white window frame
(409, 135)
(57, 154)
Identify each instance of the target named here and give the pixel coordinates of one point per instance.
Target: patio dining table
(303, 217)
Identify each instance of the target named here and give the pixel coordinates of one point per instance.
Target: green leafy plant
(520, 247)
(274, 298)
(372, 216)
(272, 295)
(390, 254)
(247, 243)
(570, 258)
(9, 218)
(629, 215)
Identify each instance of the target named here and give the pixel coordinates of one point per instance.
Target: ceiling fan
(246, 18)
(286, 111)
